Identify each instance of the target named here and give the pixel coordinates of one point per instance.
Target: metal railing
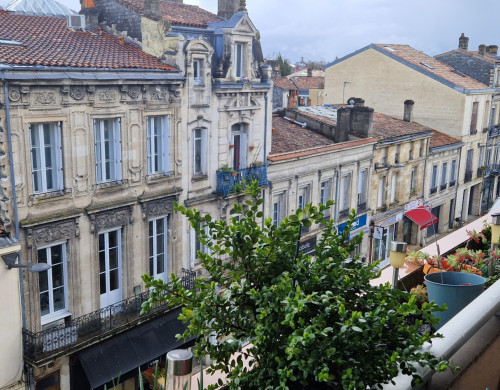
(468, 176)
(93, 326)
(233, 182)
(494, 131)
(492, 169)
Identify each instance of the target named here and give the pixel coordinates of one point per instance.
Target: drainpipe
(457, 173)
(335, 212)
(423, 182)
(16, 217)
(265, 153)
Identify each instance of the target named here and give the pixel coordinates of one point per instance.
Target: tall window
(410, 151)
(434, 179)
(197, 246)
(422, 148)
(158, 133)
(381, 191)
(345, 193)
(239, 146)
(158, 248)
(453, 172)
(110, 267)
(394, 187)
(200, 151)
(46, 157)
(279, 208)
(362, 178)
(473, 118)
(53, 299)
(238, 59)
(384, 156)
(468, 165)
(197, 72)
(303, 197)
(107, 150)
(397, 154)
(325, 194)
(413, 179)
(444, 175)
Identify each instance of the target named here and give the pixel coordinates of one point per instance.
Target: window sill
(49, 318)
(110, 186)
(47, 196)
(160, 176)
(197, 178)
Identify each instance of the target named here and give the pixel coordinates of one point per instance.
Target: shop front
(385, 230)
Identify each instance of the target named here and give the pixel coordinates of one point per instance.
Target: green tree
(308, 319)
(285, 67)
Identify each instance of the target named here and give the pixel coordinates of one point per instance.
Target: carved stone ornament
(53, 232)
(158, 207)
(158, 93)
(134, 92)
(106, 96)
(175, 92)
(44, 97)
(14, 95)
(110, 219)
(77, 93)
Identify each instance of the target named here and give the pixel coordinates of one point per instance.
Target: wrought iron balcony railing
(233, 182)
(100, 324)
(494, 131)
(468, 176)
(492, 169)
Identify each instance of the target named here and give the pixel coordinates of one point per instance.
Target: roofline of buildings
(401, 138)
(414, 67)
(437, 149)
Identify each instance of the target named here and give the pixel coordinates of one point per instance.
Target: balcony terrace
(73, 335)
(233, 182)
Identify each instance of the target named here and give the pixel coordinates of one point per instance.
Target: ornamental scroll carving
(57, 231)
(158, 207)
(44, 97)
(110, 219)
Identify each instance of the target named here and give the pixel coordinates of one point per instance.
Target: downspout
(266, 102)
(16, 216)
(456, 184)
(335, 210)
(422, 242)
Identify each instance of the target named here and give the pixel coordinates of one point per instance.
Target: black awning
(127, 351)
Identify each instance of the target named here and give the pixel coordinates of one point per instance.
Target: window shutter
(118, 148)
(149, 121)
(192, 246)
(59, 163)
(97, 151)
(204, 151)
(166, 143)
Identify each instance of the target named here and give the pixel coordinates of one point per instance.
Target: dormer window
(238, 60)
(197, 72)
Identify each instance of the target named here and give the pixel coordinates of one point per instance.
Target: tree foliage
(308, 319)
(285, 67)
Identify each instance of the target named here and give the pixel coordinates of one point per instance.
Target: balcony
(233, 182)
(492, 169)
(442, 187)
(468, 176)
(361, 207)
(100, 324)
(494, 131)
(434, 190)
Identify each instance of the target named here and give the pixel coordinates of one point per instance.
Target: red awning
(422, 217)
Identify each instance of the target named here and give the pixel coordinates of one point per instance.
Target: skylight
(389, 48)
(427, 65)
(6, 41)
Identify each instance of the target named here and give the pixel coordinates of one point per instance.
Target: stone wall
(125, 19)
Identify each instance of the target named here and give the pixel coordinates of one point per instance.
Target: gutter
(393, 140)
(438, 149)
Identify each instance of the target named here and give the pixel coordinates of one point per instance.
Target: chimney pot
(463, 42)
(152, 9)
(408, 111)
(492, 49)
(482, 49)
(309, 72)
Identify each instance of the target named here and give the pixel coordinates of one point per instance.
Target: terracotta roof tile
(176, 13)
(303, 72)
(47, 41)
(441, 139)
(309, 82)
(385, 127)
(438, 68)
(284, 83)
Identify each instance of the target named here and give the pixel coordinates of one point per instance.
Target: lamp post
(495, 237)
(180, 366)
(10, 262)
(397, 255)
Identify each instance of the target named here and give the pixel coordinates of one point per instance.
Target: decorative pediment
(199, 45)
(245, 26)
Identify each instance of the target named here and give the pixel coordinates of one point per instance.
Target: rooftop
(46, 41)
(488, 57)
(284, 83)
(177, 14)
(440, 139)
(429, 64)
(39, 7)
(308, 82)
(303, 72)
(386, 127)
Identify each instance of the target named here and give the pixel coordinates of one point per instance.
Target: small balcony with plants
(231, 181)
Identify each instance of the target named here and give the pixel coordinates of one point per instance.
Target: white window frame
(239, 50)
(381, 191)
(53, 314)
(158, 144)
(362, 186)
(114, 159)
(444, 173)
(394, 187)
(345, 192)
(115, 294)
(279, 208)
(325, 194)
(43, 168)
(196, 245)
(303, 196)
(237, 130)
(200, 147)
(434, 177)
(413, 178)
(155, 250)
(197, 72)
(453, 170)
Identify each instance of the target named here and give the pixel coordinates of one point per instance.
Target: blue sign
(359, 222)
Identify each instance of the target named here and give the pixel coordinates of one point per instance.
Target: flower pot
(456, 289)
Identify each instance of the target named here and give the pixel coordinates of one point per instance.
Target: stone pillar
(463, 42)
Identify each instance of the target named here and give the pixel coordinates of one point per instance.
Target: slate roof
(291, 141)
(309, 82)
(440, 139)
(176, 13)
(386, 127)
(419, 59)
(487, 57)
(47, 41)
(283, 83)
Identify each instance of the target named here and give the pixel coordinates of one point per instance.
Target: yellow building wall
(385, 84)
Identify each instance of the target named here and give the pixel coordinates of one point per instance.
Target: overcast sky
(325, 29)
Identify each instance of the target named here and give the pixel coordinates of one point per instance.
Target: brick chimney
(463, 42)
(408, 112)
(91, 14)
(492, 49)
(309, 72)
(361, 120)
(481, 50)
(152, 9)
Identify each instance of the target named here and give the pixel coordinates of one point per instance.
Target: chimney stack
(492, 49)
(309, 72)
(152, 9)
(481, 50)
(408, 112)
(463, 42)
(227, 8)
(91, 14)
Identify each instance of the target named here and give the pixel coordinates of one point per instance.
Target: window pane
(160, 264)
(113, 280)
(58, 297)
(44, 303)
(102, 283)
(43, 281)
(113, 258)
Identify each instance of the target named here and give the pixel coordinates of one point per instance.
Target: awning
(129, 350)
(422, 217)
